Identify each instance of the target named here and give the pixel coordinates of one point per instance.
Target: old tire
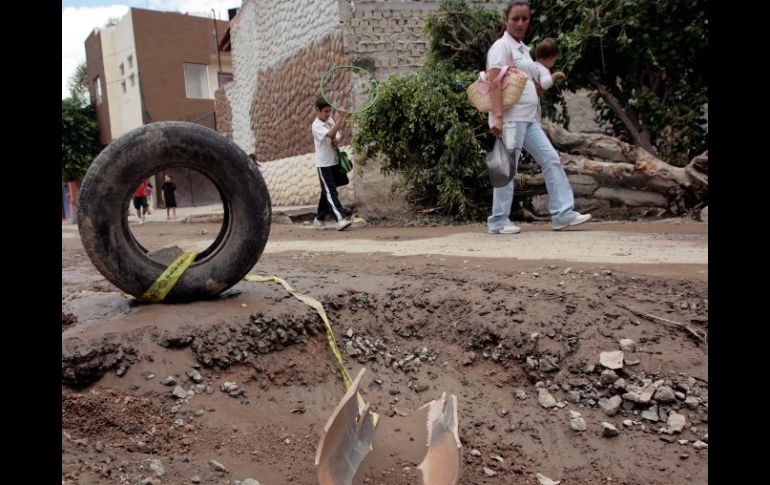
(110, 182)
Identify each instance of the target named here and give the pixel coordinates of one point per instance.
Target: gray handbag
(501, 164)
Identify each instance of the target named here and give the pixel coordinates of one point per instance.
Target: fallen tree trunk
(604, 168)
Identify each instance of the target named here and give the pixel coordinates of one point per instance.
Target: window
(123, 85)
(196, 81)
(98, 90)
(122, 69)
(132, 78)
(130, 61)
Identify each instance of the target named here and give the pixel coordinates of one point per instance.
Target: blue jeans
(530, 136)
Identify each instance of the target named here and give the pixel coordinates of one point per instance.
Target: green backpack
(345, 162)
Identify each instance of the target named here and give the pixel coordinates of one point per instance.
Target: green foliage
(462, 35)
(78, 85)
(424, 126)
(432, 137)
(649, 55)
(79, 138)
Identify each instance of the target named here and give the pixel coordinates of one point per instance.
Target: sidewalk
(207, 213)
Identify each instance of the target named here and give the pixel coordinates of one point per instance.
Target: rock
(699, 445)
(611, 360)
(627, 345)
(610, 406)
(573, 414)
(589, 369)
(628, 423)
(609, 430)
(578, 424)
(629, 361)
(179, 392)
(573, 396)
(217, 466)
(531, 363)
(179, 422)
(545, 399)
(704, 215)
(489, 472)
(675, 422)
(250, 481)
(196, 479)
(692, 402)
(642, 394)
(157, 467)
(680, 395)
(475, 452)
(195, 376)
(665, 394)
(99, 446)
(229, 387)
(548, 365)
(169, 381)
(520, 394)
(650, 414)
(620, 384)
(608, 377)
(544, 480)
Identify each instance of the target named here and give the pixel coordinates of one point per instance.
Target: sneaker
(580, 219)
(317, 224)
(509, 229)
(344, 223)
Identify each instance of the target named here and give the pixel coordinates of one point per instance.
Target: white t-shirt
(545, 79)
(325, 155)
(507, 50)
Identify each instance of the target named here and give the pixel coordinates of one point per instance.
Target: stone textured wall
(294, 181)
(265, 34)
(223, 113)
(283, 110)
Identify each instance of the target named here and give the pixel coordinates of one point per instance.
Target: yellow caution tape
(316, 305)
(168, 278)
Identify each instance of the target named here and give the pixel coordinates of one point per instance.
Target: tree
(79, 138)
(645, 62)
(431, 136)
(78, 85)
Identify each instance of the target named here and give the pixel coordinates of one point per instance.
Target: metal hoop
(371, 77)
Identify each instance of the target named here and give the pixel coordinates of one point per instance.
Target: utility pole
(216, 46)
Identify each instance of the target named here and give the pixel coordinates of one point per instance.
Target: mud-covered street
(515, 326)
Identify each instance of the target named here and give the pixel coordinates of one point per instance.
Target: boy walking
(326, 136)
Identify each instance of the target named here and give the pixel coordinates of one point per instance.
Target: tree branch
(640, 136)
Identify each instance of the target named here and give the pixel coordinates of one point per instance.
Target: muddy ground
(499, 333)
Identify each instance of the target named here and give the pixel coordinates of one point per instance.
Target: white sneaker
(509, 229)
(580, 219)
(318, 224)
(344, 223)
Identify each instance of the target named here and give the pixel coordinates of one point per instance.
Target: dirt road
(502, 322)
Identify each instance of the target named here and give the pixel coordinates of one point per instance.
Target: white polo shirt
(325, 155)
(545, 78)
(507, 50)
